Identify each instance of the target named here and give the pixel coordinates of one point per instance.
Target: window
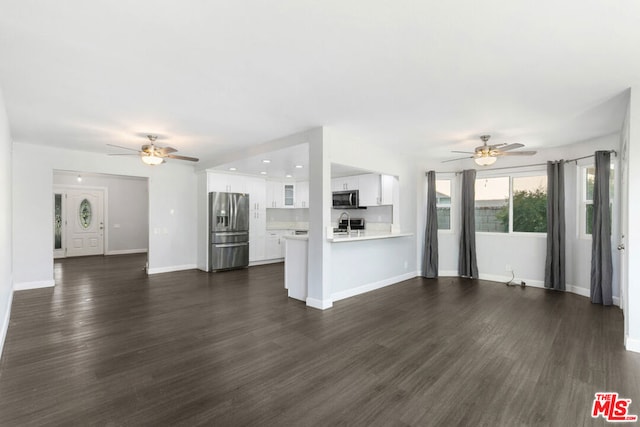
(511, 204)
(588, 180)
(492, 204)
(530, 204)
(443, 203)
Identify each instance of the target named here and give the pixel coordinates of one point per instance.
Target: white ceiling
(210, 78)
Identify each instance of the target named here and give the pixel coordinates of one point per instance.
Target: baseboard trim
(448, 273)
(171, 269)
(25, 286)
(373, 286)
(319, 304)
(265, 262)
(631, 344)
(5, 324)
(584, 292)
(126, 252)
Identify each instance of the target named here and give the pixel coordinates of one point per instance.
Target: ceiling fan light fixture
(485, 160)
(151, 160)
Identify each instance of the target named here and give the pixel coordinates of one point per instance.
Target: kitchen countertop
(366, 235)
(354, 237)
(296, 237)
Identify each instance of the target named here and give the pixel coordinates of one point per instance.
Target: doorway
(99, 214)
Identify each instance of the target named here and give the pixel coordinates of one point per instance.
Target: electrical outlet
(406, 265)
(508, 267)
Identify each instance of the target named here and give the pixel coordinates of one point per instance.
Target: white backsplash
(377, 218)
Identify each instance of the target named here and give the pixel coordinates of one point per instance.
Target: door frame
(63, 189)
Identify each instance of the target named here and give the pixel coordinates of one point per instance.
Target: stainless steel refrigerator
(228, 230)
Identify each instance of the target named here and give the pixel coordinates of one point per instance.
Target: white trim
(448, 273)
(126, 252)
(265, 261)
(373, 286)
(171, 268)
(319, 304)
(631, 344)
(24, 286)
(5, 324)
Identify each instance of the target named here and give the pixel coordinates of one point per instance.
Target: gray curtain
(467, 262)
(601, 265)
(554, 269)
(430, 257)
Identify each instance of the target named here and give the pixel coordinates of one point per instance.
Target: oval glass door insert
(85, 213)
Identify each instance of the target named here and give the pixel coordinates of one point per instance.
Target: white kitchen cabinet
(275, 194)
(289, 192)
(281, 194)
(369, 189)
(302, 194)
(256, 187)
(273, 249)
(227, 183)
(275, 243)
(344, 183)
(387, 187)
(257, 231)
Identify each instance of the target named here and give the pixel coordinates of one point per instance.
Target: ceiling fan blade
(517, 153)
(453, 160)
(511, 147)
(125, 148)
(123, 154)
(165, 150)
(175, 156)
(464, 152)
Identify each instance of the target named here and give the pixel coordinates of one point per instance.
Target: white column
(319, 273)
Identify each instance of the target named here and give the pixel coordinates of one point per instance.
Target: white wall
(526, 253)
(388, 260)
(632, 315)
(127, 227)
(172, 208)
(6, 285)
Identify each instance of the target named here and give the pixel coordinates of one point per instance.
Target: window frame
(583, 201)
(452, 222)
(522, 174)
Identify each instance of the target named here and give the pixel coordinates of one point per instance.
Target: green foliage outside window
(529, 211)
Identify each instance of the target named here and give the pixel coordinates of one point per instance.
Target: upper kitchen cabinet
(227, 183)
(344, 183)
(275, 194)
(302, 194)
(289, 195)
(369, 187)
(257, 193)
(376, 189)
(388, 185)
(281, 194)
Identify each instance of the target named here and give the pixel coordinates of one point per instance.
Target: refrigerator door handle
(235, 211)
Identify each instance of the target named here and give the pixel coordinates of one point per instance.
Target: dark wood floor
(110, 346)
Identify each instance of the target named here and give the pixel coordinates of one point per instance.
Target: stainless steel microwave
(346, 199)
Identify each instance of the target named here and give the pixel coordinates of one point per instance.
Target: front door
(85, 222)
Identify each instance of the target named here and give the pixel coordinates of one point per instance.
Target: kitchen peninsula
(346, 280)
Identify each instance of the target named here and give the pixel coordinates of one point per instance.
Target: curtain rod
(533, 165)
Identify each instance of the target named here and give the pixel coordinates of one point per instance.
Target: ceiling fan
(151, 154)
(486, 155)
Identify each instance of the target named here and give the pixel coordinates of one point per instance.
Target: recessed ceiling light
(233, 169)
(266, 161)
(263, 173)
(298, 166)
(288, 175)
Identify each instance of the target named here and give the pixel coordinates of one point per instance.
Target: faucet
(348, 221)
